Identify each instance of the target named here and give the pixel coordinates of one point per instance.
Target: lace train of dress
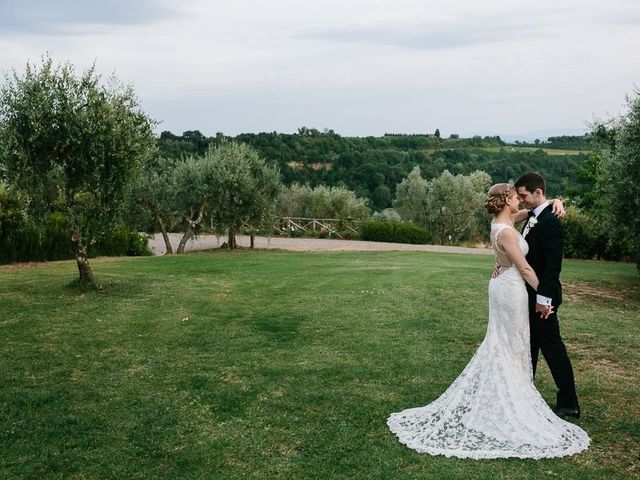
(493, 410)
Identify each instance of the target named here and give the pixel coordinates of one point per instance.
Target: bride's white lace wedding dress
(493, 410)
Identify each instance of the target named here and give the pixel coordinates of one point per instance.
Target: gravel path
(206, 242)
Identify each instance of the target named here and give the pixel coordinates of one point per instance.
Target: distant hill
(373, 166)
(543, 135)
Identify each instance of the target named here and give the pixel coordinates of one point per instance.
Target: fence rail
(331, 226)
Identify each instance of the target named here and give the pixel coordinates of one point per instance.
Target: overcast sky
(359, 67)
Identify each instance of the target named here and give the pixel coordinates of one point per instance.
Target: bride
(493, 410)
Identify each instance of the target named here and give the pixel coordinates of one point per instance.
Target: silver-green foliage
(386, 215)
(151, 195)
(619, 170)
(448, 206)
(323, 202)
(73, 142)
(244, 188)
(412, 198)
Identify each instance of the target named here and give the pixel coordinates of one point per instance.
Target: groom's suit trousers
(545, 338)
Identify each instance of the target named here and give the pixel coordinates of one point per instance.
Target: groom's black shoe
(564, 412)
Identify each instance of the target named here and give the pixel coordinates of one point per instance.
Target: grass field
(274, 365)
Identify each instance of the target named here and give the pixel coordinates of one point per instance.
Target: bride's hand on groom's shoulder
(557, 208)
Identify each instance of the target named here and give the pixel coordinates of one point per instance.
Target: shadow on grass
(119, 286)
(278, 328)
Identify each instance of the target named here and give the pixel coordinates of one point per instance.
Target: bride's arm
(519, 216)
(508, 240)
(557, 208)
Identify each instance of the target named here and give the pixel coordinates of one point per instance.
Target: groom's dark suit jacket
(545, 241)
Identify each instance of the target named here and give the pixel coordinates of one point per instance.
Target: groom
(543, 233)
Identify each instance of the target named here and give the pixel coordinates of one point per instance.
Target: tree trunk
(231, 241)
(79, 249)
(192, 224)
(185, 238)
(165, 235)
(253, 240)
(84, 269)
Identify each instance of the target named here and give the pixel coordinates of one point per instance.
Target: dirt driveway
(206, 242)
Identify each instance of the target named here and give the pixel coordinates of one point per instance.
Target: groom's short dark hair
(531, 181)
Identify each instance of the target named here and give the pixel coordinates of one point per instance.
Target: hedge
(23, 242)
(396, 232)
(586, 237)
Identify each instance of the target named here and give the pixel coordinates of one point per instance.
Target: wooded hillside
(373, 166)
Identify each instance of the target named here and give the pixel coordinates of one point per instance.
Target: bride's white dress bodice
(501, 256)
(493, 410)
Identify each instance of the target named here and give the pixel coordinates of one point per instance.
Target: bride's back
(501, 257)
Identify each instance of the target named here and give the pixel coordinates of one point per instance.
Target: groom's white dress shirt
(536, 211)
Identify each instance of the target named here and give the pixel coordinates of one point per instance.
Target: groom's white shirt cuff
(543, 300)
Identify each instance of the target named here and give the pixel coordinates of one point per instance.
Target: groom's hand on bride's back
(496, 270)
(544, 310)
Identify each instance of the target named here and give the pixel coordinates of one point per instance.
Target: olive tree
(412, 198)
(90, 136)
(151, 198)
(323, 202)
(195, 188)
(246, 189)
(618, 150)
(448, 206)
(454, 203)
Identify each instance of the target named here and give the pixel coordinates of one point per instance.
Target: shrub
(138, 245)
(113, 242)
(296, 232)
(27, 244)
(120, 241)
(580, 234)
(56, 242)
(587, 236)
(396, 232)
(22, 241)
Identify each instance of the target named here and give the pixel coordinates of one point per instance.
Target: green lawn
(272, 365)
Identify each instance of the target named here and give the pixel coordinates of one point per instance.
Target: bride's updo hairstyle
(497, 197)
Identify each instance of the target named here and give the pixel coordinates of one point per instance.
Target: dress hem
(483, 454)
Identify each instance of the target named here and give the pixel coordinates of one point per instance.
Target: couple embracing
(493, 410)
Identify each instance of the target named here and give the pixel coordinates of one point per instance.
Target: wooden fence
(330, 226)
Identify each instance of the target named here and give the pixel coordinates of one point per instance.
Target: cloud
(64, 17)
(622, 18)
(432, 35)
(359, 67)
